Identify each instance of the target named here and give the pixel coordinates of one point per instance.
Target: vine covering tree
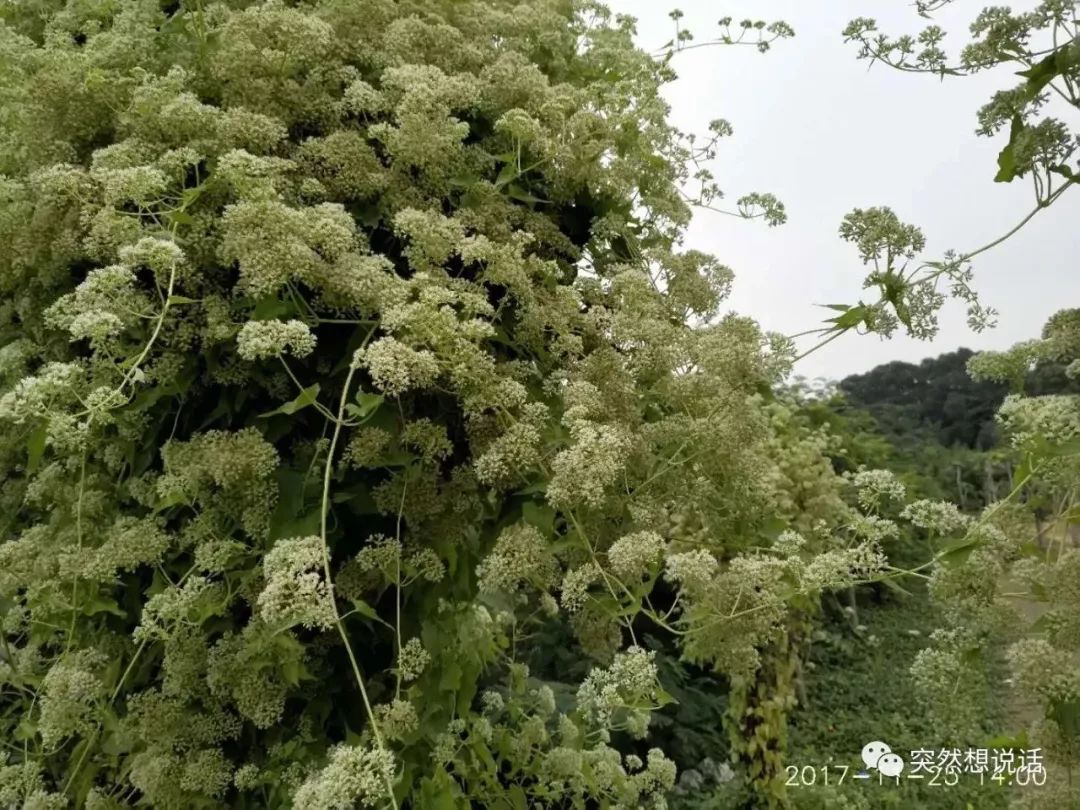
(344, 346)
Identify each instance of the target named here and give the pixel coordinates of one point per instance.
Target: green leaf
(98, 604)
(180, 218)
(1025, 468)
(1007, 741)
(509, 172)
(173, 498)
(517, 798)
(364, 609)
(440, 792)
(664, 698)
(539, 515)
(1046, 70)
(269, 309)
(367, 404)
(291, 671)
(358, 497)
(461, 181)
(305, 398)
(180, 299)
(26, 730)
(516, 192)
(35, 447)
(1068, 448)
(534, 488)
(301, 526)
(1007, 158)
(190, 195)
(852, 317)
(369, 215)
(896, 587)
(450, 678)
(1066, 713)
(958, 551)
(1040, 625)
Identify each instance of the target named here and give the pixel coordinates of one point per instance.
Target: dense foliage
(350, 359)
(938, 399)
(937, 394)
(347, 345)
(1014, 585)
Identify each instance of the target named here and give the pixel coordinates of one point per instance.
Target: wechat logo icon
(877, 755)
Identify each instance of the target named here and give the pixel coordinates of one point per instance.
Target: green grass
(859, 690)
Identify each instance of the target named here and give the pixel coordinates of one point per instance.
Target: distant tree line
(938, 395)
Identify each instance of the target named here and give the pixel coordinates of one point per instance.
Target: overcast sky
(815, 127)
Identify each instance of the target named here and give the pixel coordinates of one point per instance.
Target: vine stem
(604, 575)
(397, 584)
(1016, 228)
(131, 372)
(79, 542)
(324, 511)
(97, 730)
(130, 375)
(820, 345)
(112, 698)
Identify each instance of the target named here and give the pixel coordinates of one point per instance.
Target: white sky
(815, 127)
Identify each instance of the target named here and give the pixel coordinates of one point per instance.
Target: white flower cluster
(575, 586)
(874, 528)
(177, 606)
(940, 517)
(936, 672)
(252, 177)
(629, 684)
(521, 556)
(37, 395)
(22, 785)
(634, 555)
(413, 659)
(353, 775)
(492, 703)
(259, 340)
(70, 692)
(130, 542)
(1053, 418)
(582, 473)
(296, 591)
(108, 300)
(514, 452)
(1007, 366)
(840, 568)
(789, 543)
(691, 569)
(874, 487)
(227, 470)
(397, 719)
(396, 367)
(428, 439)
(1044, 670)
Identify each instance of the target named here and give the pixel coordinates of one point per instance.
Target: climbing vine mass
(348, 347)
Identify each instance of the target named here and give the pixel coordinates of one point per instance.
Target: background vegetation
(369, 438)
